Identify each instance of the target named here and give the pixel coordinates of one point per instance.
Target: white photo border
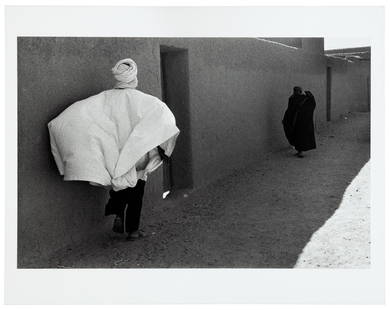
(151, 286)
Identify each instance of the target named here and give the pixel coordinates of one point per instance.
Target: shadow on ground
(261, 217)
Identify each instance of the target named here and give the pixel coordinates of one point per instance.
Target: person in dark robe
(298, 121)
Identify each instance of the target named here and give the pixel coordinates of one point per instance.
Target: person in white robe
(115, 139)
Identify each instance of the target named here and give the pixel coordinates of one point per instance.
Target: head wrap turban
(125, 72)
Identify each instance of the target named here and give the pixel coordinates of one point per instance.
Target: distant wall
(238, 94)
(238, 91)
(350, 89)
(313, 45)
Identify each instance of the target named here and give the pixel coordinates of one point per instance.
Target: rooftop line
(277, 43)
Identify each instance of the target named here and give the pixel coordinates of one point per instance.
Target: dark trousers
(127, 204)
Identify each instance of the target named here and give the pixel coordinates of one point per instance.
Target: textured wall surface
(350, 87)
(238, 91)
(52, 74)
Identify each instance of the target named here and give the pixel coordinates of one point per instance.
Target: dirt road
(344, 240)
(259, 217)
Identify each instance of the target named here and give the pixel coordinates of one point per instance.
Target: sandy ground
(258, 217)
(344, 240)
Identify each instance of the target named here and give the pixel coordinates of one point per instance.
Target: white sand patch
(344, 240)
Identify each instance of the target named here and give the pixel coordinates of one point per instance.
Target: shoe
(135, 235)
(118, 226)
(299, 154)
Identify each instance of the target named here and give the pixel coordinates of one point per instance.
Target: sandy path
(258, 217)
(344, 240)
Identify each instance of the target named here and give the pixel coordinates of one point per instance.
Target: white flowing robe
(100, 139)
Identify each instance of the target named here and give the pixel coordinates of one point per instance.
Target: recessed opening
(175, 93)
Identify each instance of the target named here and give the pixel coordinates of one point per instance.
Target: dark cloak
(298, 122)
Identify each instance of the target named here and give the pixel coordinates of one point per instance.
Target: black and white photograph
(192, 152)
(199, 152)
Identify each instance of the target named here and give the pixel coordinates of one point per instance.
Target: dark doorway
(175, 93)
(328, 93)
